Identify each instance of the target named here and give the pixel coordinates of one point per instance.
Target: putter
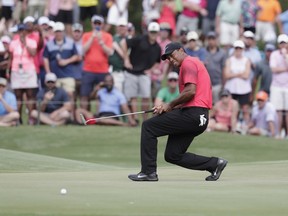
(94, 120)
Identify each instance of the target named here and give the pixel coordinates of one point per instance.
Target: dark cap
(21, 26)
(211, 34)
(170, 48)
(224, 92)
(184, 30)
(269, 47)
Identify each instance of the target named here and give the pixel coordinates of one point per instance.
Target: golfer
(182, 119)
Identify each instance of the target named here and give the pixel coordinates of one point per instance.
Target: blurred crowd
(57, 56)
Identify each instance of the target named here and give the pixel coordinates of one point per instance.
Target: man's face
(50, 84)
(175, 58)
(212, 42)
(97, 25)
(153, 35)
(173, 83)
(261, 103)
(76, 35)
(2, 89)
(59, 35)
(108, 83)
(122, 30)
(248, 41)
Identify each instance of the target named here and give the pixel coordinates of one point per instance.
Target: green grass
(92, 163)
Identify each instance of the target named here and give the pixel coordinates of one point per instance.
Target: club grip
(149, 111)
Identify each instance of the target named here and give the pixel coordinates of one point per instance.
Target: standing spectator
(169, 93)
(283, 22)
(60, 55)
(208, 21)
(279, 85)
(264, 120)
(263, 71)
(151, 12)
(55, 106)
(183, 36)
(144, 56)
(95, 43)
(6, 12)
(4, 56)
(250, 9)
(192, 48)
(65, 14)
(189, 16)
(87, 9)
(130, 30)
(111, 102)
(23, 70)
(228, 22)
(51, 9)
(77, 33)
(215, 62)
(116, 60)
(167, 14)
(223, 116)
(118, 11)
(8, 106)
(36, 8)
(19, 10)
(236, 73)
(267, 16)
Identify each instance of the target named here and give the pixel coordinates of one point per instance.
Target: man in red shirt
(182, 119)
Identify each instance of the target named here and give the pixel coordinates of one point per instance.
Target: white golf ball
(63, 191)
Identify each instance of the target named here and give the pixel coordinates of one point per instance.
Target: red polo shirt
(193, 71)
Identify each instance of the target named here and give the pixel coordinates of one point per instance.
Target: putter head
(83, 119)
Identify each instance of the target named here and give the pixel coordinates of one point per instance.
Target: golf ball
(63, 191)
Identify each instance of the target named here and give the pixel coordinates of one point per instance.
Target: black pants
(181, 126)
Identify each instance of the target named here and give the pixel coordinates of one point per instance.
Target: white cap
(154, 27)
(13, 29)
(6, 39)
(2, 48)
(77, 27)
(3, 81)
(172, 75)
(59, 26)
(122, 22)
(51, 23)
(239, 43)
(249, 34)
(192, 35)
(29, 19)
(50, 77)
(282, 38)
(43, 20)
(97, 18)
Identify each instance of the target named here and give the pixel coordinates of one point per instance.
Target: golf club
(94, 120)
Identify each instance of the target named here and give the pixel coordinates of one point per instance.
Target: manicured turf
(92, 163)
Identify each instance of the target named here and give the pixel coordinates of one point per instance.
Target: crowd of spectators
(57, 65)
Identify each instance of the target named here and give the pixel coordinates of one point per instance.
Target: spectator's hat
(59, 26)
(239, 44)
(50, 77)
(249, 34)
(29, 19)
(184, 30)
(122, 22)
(21, 27)
(282, 38)
(153, 27)
(3, 81)
(6, 39)
(269, 47)
(13, 29)
(262, 95)
(170, 48)
(172, 75)
(211, 34)
(97, 19)
(192, 35)
(51, 24)
(224, 92)
(43, 20)
(77, 27)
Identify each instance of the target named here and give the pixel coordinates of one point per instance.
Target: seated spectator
(224, 114)
(193, 48)
(169, 93)
(8, 106)
(264, 117)
(55, 106)
(111, 102)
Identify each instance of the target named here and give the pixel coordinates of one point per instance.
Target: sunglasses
(50, 82)
(97, 23)
(172, 80)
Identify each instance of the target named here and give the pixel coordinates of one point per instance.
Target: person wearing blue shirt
(55, 106)
(8, 106)
(192, 47)
(282, 21)
(111, 102)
